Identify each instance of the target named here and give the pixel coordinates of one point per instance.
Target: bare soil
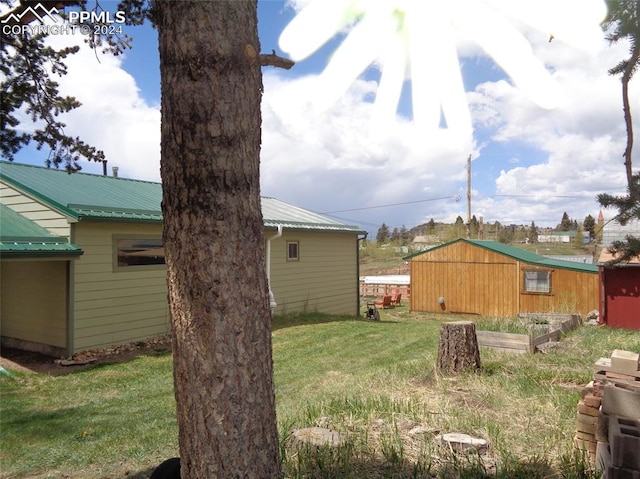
(28, 362)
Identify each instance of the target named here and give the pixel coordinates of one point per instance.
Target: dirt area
(30, 362)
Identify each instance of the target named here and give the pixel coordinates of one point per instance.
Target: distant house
(619, 283)
(558, 237)
(496, 280)
(82, 262)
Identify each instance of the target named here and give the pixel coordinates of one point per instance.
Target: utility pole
(469, 196)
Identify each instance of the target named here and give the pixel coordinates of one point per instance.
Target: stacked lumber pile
(608, 421)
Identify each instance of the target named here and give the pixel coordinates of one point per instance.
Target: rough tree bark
(213, 237)
(458, 348)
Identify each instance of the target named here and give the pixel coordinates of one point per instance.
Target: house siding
(115, 306)
(325, 277)
(51, 220)
(33, 303)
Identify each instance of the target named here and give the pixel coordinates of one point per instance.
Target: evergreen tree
(589, 225)
(623, 23)
(628, 208)
(532, 234)
(507, 234)
(383, 234)
(26, 86)
(405, 236)
(431, 227)
(395, 235)
(565, 223)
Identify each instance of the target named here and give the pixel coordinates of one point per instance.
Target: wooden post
(458, 349)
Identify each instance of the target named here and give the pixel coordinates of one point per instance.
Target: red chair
(385, 302)
(395, 301)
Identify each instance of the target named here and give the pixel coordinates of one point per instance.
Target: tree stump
(458, 348)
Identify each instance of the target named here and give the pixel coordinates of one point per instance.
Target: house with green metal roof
(493, 279)
(83, 263)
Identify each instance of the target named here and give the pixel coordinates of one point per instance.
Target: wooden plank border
(528, 343)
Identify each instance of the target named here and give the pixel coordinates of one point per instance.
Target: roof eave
(64, 210)
(39, 254)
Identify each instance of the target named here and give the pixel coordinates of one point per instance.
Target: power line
(583, 197)
(457, 198)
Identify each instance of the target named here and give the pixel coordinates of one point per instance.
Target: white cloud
(113, 116)
(338, 160)
(582, 140)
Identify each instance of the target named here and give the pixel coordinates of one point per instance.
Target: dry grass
(525, 406)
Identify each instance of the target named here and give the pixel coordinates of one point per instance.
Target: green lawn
(374, 381)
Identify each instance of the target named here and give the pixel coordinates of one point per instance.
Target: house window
(293, 251)
(536, 281)
(139, 252)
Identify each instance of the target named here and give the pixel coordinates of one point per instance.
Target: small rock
(461, 442)
(75, 362)
(594, 314)
(323, 421)
(318, 436)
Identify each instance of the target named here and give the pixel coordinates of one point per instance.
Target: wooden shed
(619, 292)
(497, 280)
(82, 263)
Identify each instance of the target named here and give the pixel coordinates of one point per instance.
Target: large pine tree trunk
(213, 237)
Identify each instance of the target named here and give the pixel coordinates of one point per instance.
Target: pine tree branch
(271, 59)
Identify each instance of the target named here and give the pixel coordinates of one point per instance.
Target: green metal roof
(97, 197)
(19, 236)
(278, 213)
(519, 254)
(81, 195)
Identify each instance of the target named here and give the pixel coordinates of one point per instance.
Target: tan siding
(33, 301)
(325, 277)
(478, 281)
(115, 306)
(571, 292)
(54, 222)
(470, 288)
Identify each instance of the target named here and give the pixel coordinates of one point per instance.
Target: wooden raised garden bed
(529, 343)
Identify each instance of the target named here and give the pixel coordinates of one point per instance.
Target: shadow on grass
(142, 474)
(306, 319)
(21, 362)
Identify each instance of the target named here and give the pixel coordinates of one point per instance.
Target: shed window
(536, 281)
(138, 252)
(293, 251)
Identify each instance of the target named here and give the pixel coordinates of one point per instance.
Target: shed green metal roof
(519, 254)
(96, 197)
(19, 236)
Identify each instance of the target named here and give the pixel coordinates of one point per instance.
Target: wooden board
(504, 341)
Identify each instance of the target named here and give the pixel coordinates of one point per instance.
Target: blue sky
(529, 163)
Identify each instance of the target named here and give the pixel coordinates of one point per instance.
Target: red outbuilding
(619, 292)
